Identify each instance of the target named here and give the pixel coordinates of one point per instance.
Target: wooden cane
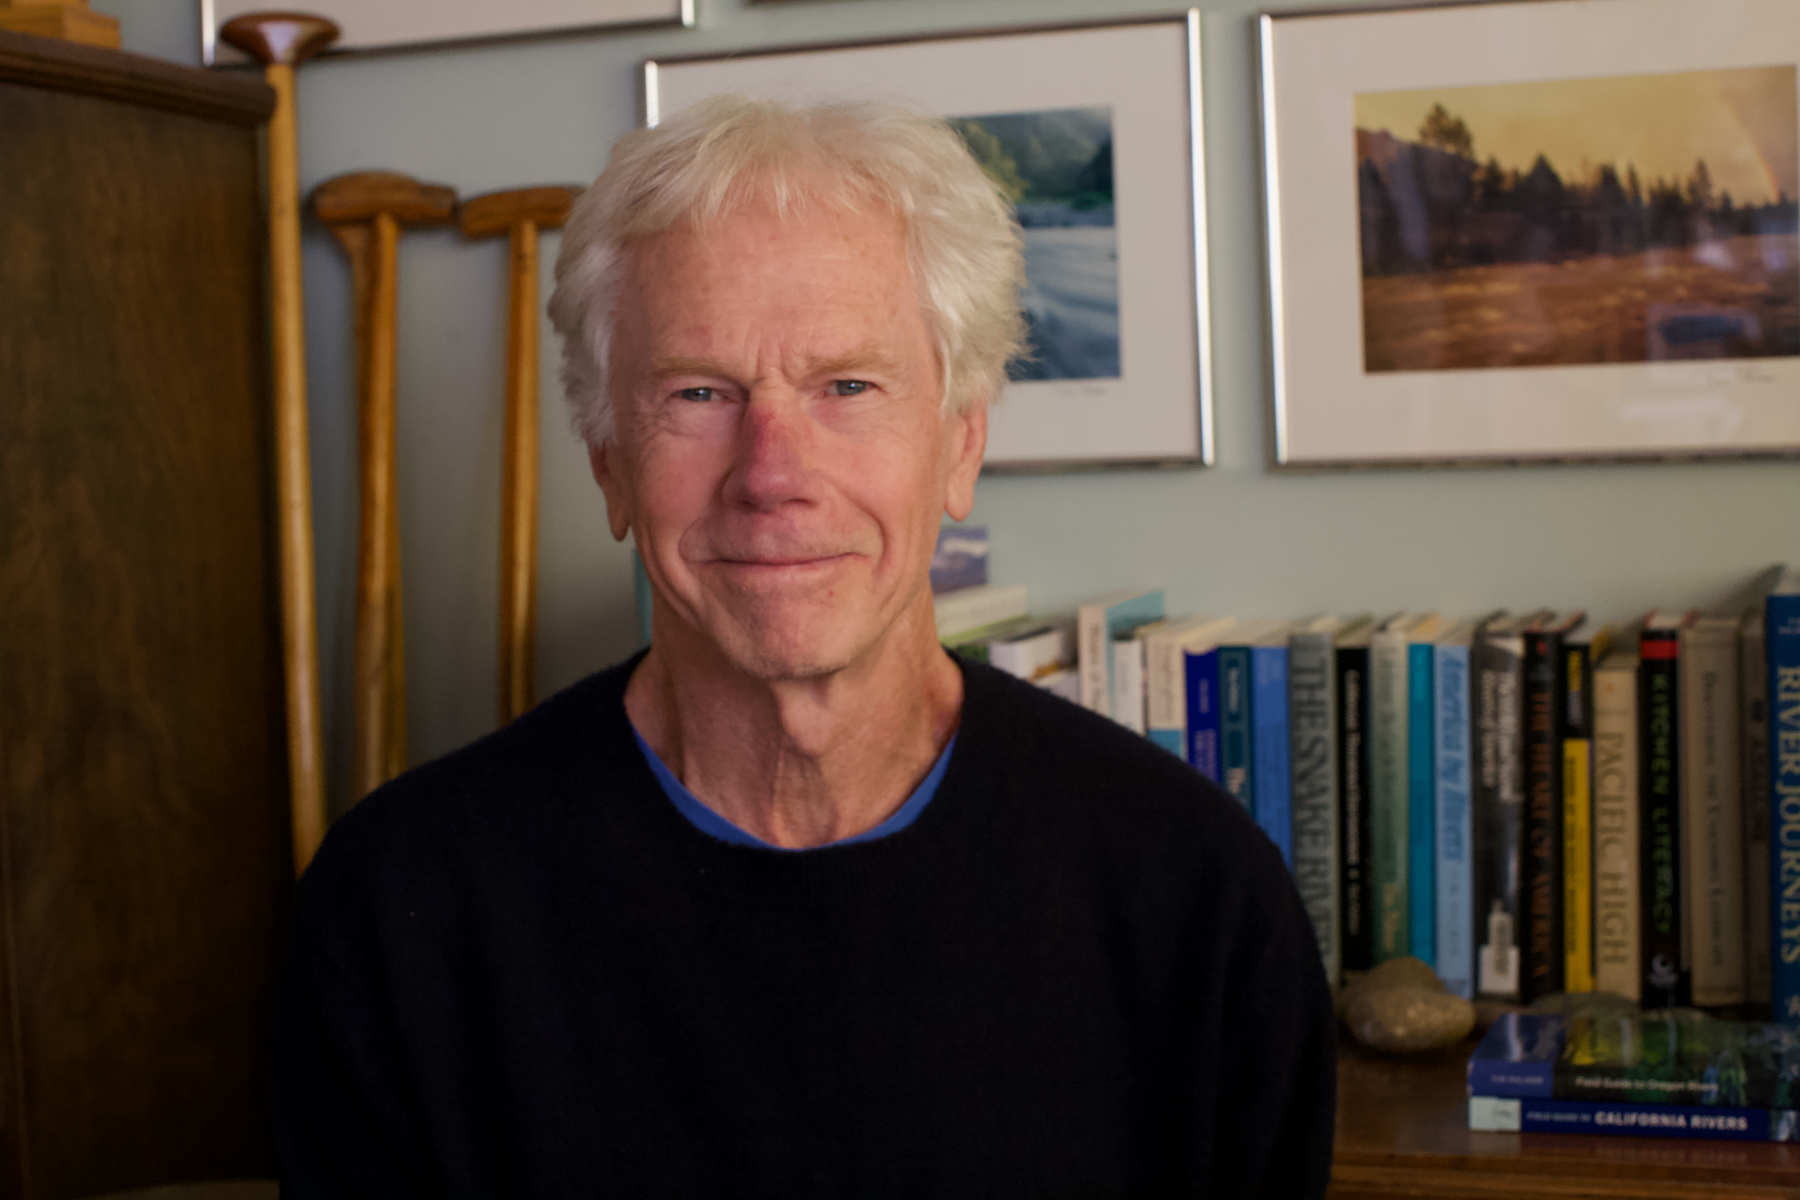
(520, 214)
(281, 41)
(365, 211)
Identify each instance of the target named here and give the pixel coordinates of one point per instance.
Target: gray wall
(1235, 538)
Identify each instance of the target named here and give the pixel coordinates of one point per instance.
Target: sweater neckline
(949, 833)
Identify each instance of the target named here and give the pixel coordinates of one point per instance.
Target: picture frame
(402, 24)
(1121, 347)
(1439, 295)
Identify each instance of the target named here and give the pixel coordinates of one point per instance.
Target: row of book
(1527, 805)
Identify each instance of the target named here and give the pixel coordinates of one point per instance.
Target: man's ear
(967, 435)
(602, 457)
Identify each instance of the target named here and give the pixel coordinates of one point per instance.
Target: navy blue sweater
(518, 971)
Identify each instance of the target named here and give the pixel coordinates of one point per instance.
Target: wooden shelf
(1402, 1131)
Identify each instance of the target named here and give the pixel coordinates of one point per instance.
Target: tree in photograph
(1443, 131)
(995, 161)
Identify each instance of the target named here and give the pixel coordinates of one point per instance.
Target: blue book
(1500, 1114)
(1269, 742)
(1781, 629)
(1421, 798)
(1453, 869)
(1517, 1056)
(1234, 724)
(1202, 678)
(1237, 761)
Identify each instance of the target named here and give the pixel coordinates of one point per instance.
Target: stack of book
(1527, 804)
(1644, 1076)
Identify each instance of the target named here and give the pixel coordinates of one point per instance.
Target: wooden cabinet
(144, 859)
(1403, 1131)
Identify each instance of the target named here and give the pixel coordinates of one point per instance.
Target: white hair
(961, 237)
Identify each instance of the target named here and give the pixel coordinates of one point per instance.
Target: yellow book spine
(1578, 858)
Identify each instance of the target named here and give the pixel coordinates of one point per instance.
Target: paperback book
(1673, 1059)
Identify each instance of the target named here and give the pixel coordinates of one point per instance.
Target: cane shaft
(518, 527)
(380, 708)
(293, 480)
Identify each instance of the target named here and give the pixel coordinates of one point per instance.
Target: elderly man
(794, 903)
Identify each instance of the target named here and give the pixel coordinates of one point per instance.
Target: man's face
(779, 449)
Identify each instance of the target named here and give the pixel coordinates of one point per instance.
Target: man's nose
(775, 454)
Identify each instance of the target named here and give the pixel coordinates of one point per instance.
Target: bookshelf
(1402, 1131)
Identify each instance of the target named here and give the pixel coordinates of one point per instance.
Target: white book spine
(1759, 936)
(1128, 683)
(1092, 654)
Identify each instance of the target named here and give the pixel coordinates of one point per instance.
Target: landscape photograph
(1056, 168)
(1624, 219)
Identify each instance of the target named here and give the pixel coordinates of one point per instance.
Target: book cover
(1617, 937)
(1097, 623)
(1578, 808)
(1035, 649)
(1497, 1114)
(1753, 680)
(1712, 818)
(1356, 906)
(1421, 789)
(1269, 732)
(1663, 958)
(977, 644)
(1312, 754)
(1497, 800)
(1451, 762)
(972, 608)
(1781, 634)
(1656, 1060)
(1165, 676)
(960, 559)
(1389, 799)
(1540, 869)
(1200, 671)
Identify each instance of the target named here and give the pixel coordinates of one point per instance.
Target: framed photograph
(1545, 230)
(1094, 131)
(394, 24)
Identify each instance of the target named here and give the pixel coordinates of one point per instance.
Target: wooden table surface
(1403, 1131)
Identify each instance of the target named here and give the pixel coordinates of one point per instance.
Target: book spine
(1712, 812)
(1577, 823)
(1421, 804)
(1759, 935)
(1235, 763)
(1387, 792)
(1541, 869)
(977, 608)
(1498, 1077)
(1313, 772)
(1496, 814)
(1357, 907)
(1128, 683)
(1578, 880)
(1663, 961)
(1781, 631)
(1499, 1114)
(1455, 963)
(1617, 938)
(1202, 740)
(1269, 747)
(1165, 694)
(1091, 647)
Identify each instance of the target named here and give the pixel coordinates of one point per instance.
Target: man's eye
(698, 394)
(848, 387)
